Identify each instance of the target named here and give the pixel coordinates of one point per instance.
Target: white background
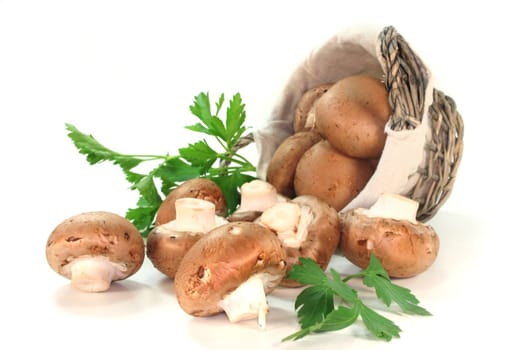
(127, 71)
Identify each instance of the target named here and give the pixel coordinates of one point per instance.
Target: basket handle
(406, 80)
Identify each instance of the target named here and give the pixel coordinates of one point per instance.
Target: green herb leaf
(307, 272)
(96, 153)
(339, 318)
(378, 325)
(173, 171)
(235, 117)
(376, 277)
(317, 311)
(225, 166)
(202, 110)
(199, 154)
(148, 190)
(142, 217)
(313, 304)
(340, 288)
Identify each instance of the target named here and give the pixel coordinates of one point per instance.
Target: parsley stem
(225, 171)
(244, 159)
(237, 159)
(356, 275)
(147, 157)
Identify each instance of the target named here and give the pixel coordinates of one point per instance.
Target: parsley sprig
(317, 311)
(225, 167)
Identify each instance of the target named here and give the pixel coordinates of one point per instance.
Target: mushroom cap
(250, 215)
(200, 188)
(167, 250)
(321, 240)
(352, 115)
(330, 175)
(96, 233)
(304, 114)
(404, 248)
(222, 260)
(283, 164)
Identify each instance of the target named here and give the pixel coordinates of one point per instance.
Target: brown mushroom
(168, 243)
(389, 229)
(283, 164)
(231, 269)
(93, 249)
(331, 176)
(352, 116)
(307, 227)
(200, 188)
(304, 115)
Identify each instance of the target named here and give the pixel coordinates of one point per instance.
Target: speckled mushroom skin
(281, 169)
(224, 259)
(352, 116)
(307, 104)
(96, 233)
(199, 188)
(330, 175)
(404, 249)
(322, 239)
(167, 250)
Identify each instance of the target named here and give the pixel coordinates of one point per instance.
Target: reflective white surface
(126, 71)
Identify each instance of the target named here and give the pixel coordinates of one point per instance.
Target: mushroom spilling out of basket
(337, 142)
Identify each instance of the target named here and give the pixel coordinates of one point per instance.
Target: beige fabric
(352, 51)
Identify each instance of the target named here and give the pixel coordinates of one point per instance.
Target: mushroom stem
(247, 301)
(394, 206)
(195, 215)
(289, 220)
(94, 273)
(257, 195)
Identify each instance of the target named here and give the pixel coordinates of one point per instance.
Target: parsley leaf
(224, 166)
(316, 309)
(313, 304)
(378, 325)
(376, 277)
(96, 153)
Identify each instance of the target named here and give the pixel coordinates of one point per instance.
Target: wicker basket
(405, 84)
(407, 81)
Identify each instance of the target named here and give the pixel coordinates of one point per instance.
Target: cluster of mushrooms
(339, 135)
(231, 263)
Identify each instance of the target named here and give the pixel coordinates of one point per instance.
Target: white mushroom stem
(93, 273)
(394, 206)
(289, 220)
(193, 215)
(257, 195)
(248, 301)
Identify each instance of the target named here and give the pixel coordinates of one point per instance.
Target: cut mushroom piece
(199, 188)
(389, 229)
(231, 269)
(93, 249)
(256, 196)
(168, 243)
(308, 227)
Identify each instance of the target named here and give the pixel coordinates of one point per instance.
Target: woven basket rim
(406, 81)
